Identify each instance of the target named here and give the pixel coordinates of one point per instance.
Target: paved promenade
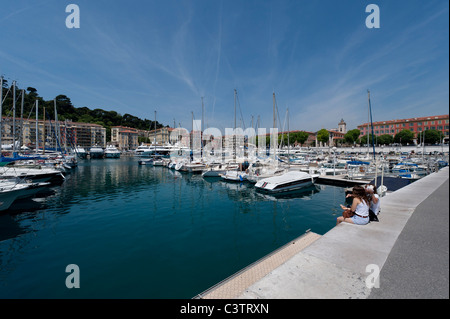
(409, 247)
(418, 265)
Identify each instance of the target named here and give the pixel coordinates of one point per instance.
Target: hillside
(66, 110)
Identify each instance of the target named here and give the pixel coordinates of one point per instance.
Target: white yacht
(143, 151)
(290, 181)
(112, 152)
(259, 171)
(11, 191)
(96, 152)
(37, 175)
(81, 152)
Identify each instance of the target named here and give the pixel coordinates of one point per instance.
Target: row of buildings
(416, 125)
(28, 132)
(86, 135)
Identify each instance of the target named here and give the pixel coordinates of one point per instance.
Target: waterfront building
(162, 135)
(69, 133)
(415, 125)
(124, 138)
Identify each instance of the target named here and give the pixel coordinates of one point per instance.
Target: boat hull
(287, 188)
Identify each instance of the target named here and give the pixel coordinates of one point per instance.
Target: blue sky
(318, 57)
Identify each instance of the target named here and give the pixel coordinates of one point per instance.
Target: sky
(317, 56)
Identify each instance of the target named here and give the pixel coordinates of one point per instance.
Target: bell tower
(342, 126)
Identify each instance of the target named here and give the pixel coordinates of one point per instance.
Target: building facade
(69, 133)
(124, 138)
(415, 125)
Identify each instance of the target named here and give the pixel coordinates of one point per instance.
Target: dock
(341, 180)
(404, 255)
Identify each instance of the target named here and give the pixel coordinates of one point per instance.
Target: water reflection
(154, 217)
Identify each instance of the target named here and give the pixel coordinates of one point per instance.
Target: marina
(224, 150)
(113, 215)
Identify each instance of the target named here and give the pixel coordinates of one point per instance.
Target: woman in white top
(359, 208)
(371, 191)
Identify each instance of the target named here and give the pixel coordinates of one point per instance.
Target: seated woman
(359, 209)
(372, 194)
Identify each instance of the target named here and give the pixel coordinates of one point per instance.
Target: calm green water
(148, 232)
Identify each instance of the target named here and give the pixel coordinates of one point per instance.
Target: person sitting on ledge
(358, 213)
(372, 194)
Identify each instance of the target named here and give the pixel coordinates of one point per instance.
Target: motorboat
(96, 152)
(290, 181)
(37, 175)
(406, 167)
(81, 152)
(112, 152)
(259, 171)
(143, 151)
(146, 161)
(194, 167)
(234, 176)
(11, 191)
(154, 160)
(215, 170)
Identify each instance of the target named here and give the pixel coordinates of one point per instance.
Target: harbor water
(148, 232)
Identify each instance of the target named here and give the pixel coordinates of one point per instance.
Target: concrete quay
(408, 248)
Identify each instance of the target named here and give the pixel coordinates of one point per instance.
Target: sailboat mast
(21, 119)
(368, 121)
(274, 134)
(37, 127)
(201, 132)
(234, 133)
(289, 144)
(56, 125)
(371, 123)
(43, 135)
(14, 117)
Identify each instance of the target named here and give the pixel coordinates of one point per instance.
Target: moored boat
(112, 152)
(290, 181)
(96, 152)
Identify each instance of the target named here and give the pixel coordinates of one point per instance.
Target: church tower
(342, 126)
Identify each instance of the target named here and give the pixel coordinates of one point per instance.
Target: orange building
(415, 125)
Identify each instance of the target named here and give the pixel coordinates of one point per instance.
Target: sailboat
(155, 160)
